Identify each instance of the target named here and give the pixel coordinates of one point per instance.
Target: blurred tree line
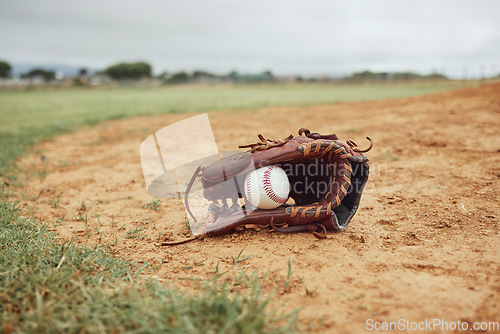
(134, 71)
(40, 73)
(5, 69)
(367, 76)
(129, 71)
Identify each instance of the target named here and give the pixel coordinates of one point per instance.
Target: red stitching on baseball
(248, 188)
(268, 189)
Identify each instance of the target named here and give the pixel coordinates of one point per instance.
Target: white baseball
(267, 187)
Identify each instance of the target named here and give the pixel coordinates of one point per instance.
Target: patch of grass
(352, 130)
(388, 155)
(238, 258)
(155, 204)
(54, 202)
(286, 286)
(83, 206)
(308, 291)
(138, 234)
(48, 287)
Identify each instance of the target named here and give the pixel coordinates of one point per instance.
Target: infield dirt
(425, 243)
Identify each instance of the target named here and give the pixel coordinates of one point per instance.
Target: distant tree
(179, 77)
(203, 76)
(83, 72)
(406, 76)
(437, 76)
(40, 73)
(5, 69)
(129, 71)
(197, 74)
(232, 74)
(269, 74)
(163, 76)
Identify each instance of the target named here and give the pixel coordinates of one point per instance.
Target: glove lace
(266, 144)
(356, 148)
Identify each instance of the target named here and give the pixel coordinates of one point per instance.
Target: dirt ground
(425, 243)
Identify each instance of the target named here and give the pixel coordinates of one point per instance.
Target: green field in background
(31, 115)
(66, 107)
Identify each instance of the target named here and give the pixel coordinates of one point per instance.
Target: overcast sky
(306, 37)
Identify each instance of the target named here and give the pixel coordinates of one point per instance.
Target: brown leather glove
(327, 177)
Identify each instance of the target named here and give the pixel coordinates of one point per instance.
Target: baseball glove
(327, 177)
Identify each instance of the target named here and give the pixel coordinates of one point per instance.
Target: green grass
(47, 286)
(63, 108)
(155, 204)
(29, 116)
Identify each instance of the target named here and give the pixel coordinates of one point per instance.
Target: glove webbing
(343, 172)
